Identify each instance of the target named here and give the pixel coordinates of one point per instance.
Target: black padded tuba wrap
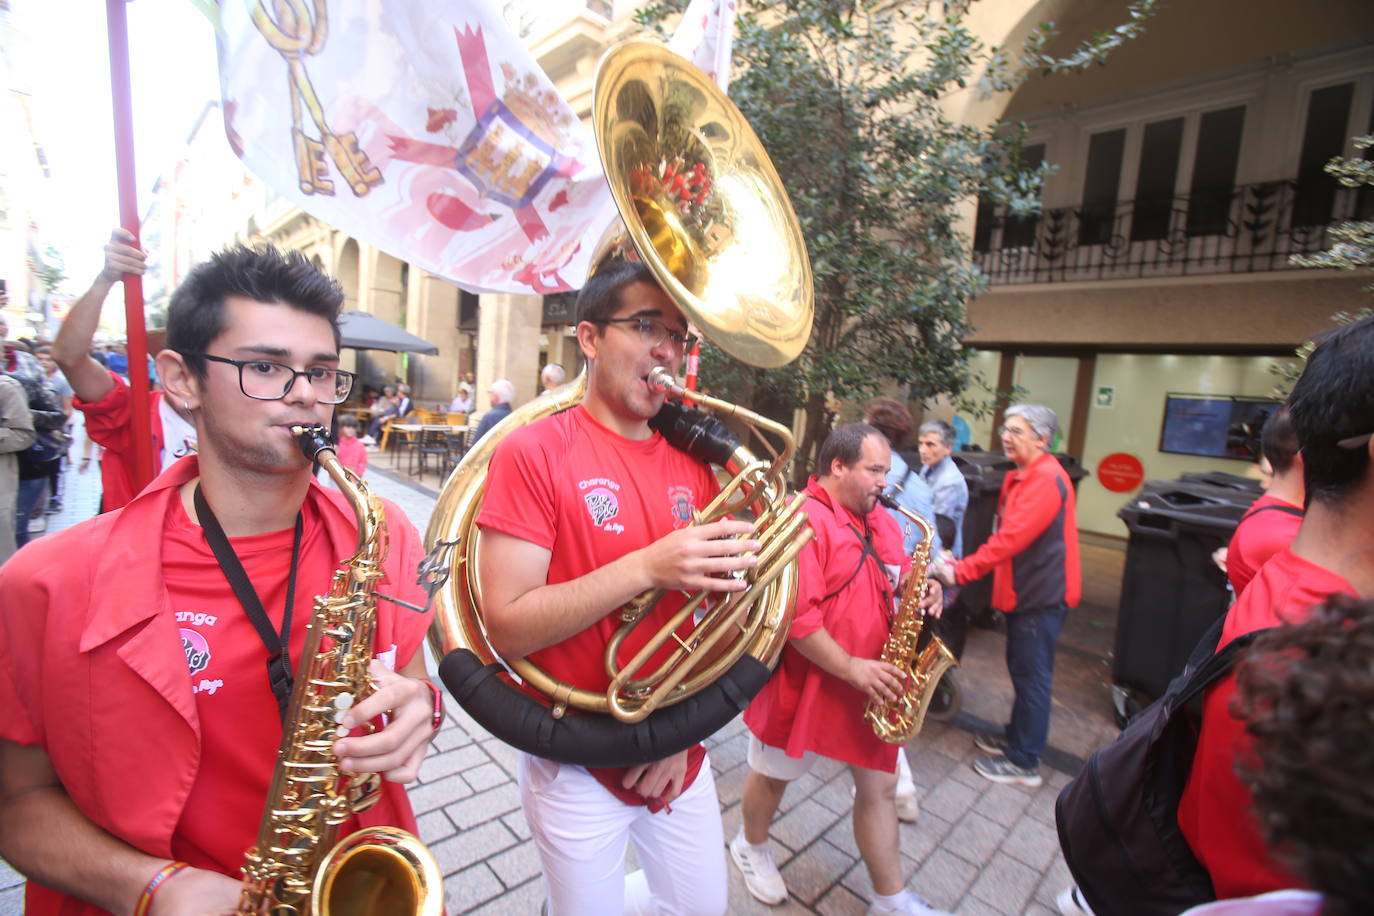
(592, 740)
(695, 432)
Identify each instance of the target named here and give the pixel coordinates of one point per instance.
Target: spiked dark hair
(196, 314)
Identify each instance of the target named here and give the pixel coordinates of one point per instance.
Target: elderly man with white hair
(502, 394)
(551, 376)
(1033, 556)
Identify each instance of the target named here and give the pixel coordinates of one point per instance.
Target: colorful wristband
(145, 899)
(437, 716)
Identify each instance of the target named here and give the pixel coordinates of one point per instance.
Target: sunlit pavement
(977, 848)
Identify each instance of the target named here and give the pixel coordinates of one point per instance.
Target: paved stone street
(977, 849)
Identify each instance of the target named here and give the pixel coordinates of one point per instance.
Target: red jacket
(92, 667)
(1033, 554)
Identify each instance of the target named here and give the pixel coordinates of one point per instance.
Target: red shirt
(352, 454)
(226, 661)
(95, 668)
(108, 424)
(590, 496)
(1215, 813)
(1259, 536)
(1033, 554)
(802, 708)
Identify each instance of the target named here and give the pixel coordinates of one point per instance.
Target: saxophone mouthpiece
(887, 501)
(662, 381)
(312, 440)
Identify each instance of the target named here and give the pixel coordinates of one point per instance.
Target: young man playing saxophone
(585, 510)
(813, 707)
(140, 729)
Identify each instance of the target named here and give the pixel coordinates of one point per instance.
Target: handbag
(39, 459)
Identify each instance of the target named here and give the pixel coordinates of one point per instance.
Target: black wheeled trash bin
(1171, 589)
(984, 473)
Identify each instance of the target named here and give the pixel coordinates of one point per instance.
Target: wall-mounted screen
(1217, 427)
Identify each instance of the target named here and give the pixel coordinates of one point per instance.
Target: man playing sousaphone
(584, 510)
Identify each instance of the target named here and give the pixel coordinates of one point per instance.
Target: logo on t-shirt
(602, 505)
(197, 650)
(680, 504)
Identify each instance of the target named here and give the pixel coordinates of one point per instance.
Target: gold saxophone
(900, 721)
(297, 866)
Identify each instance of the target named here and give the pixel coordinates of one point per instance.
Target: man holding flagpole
(104, 397)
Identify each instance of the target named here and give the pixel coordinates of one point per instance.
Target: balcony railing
(1245, 229)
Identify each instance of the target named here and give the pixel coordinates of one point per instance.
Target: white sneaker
(760, 872)
(907, 809)
(1071, 902)
(913, 905)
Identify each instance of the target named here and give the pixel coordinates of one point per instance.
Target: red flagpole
(140, 421)
(693, 364)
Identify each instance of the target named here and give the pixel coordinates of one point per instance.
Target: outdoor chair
(431, 447)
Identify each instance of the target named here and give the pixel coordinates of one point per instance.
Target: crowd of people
(214, 566)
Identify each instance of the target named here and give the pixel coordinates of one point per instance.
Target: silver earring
(186, 404)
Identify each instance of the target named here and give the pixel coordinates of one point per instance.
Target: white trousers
(581, 831)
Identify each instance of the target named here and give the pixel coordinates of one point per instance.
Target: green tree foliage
(51, 270)
(848, 99)
(1352, 249)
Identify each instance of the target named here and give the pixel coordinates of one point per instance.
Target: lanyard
(279, 676)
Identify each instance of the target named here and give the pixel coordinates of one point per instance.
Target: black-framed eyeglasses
(1355, 442)
(653, 332)
(265, 380)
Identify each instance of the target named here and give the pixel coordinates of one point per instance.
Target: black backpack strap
(1291, 510)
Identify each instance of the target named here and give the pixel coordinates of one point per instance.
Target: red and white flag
(425, 128)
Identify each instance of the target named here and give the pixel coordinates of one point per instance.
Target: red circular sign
(1120, 472)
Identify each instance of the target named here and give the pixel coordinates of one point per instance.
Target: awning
(364, 331)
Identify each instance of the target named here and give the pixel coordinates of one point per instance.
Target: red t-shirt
(590, 496)
(352, 454)
(802, 708)
(1215, 813)
(227, 663)
(1259, 536)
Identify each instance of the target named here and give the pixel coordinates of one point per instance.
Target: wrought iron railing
(1245, 229)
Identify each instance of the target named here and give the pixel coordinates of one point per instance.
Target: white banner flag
(425, 129)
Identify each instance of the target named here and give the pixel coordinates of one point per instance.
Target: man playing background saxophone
(140, 729)
(584, 510)
(814, 705)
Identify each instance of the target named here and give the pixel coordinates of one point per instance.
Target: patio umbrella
(363, 331)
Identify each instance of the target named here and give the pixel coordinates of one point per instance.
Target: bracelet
(145, 899)
(436, 718)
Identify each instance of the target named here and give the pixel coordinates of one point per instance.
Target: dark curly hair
(1306, 691)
